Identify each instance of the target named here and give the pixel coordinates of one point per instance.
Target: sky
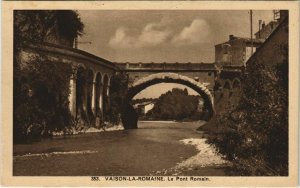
(163, 35)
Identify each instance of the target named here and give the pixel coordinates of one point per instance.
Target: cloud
(151, 35)
(157, 33)
(196, 33)
(121, 39)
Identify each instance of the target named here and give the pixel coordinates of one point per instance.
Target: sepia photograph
(151, 95)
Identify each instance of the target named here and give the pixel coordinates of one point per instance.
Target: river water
(156, 148)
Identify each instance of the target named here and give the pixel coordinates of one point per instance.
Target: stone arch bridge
(211, 82)
(91, 77)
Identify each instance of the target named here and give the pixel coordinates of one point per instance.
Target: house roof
(244, 39)
(273, 24)
(281, 24)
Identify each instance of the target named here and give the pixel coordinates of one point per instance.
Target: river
(156, 148)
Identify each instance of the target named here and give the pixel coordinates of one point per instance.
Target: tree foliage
(176, 105)
(38, 25)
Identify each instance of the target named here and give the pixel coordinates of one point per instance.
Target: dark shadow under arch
(236, 84)
(80, 94)
(97, 93)
(105, 100)
(90, 76)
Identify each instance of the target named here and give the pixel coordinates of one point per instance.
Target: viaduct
(91, 77)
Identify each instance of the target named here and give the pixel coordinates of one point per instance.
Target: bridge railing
(167, 66)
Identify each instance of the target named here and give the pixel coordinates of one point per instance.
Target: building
(274, 51)
(144, 107)
(236, 51)
(264, 30)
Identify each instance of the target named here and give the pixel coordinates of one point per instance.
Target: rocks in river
(206, 156)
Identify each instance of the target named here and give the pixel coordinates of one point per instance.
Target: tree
(175, 105)
(47, 26)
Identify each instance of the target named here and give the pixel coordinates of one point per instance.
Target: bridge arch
(236, 84)
(98, 96)
(168, 77)
(90, 78)
(236, 90)
(81, 93)
(105, 94)
(227, 89)
(227, 85)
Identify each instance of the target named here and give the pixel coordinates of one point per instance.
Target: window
(226, 48)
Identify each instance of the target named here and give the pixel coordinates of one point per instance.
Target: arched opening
(129, 119)
(89, 94)
(81, 94)
(98, 95)
(227, 89)
(218, 92)
(236, 84)
(105, 99)
(236, 91)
